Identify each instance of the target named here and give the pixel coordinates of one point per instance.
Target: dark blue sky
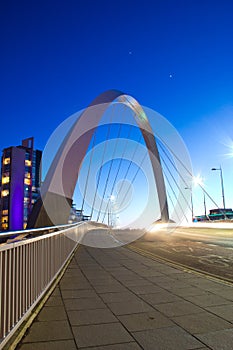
(56, 56)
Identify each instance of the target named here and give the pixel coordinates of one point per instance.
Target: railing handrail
(29, 240)
(29, 267)
(12, 233)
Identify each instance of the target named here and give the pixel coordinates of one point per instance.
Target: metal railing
(28, 268)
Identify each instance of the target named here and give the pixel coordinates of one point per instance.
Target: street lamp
(190, 189)
(221, 177)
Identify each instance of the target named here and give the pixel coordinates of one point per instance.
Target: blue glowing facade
(20, 182)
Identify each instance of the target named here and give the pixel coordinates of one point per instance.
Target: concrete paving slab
(103, 334)
(148, 273)
(85, 317)
(220, 340)
(74, 285)
(169, 338)
(160, 297)
(188, 291)
(174, 284)
(124, 346)
(207, 299)
(206, 284)
(50, 345)
(52, 313)
(202, 322)
(143, 321)
(137, 282)
(111, 288)
(145, 289)
(47, 331)
(84, 304)
(119, 297)
(225, 293)
(160, 280)
(178, 308)
(54, 301)
(224, 311)
(129, 307)
(101, 281)
(78, 293)
(56, 292)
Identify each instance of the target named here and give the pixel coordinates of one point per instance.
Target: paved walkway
(116, 299)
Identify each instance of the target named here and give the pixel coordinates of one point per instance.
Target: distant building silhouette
(19, 183)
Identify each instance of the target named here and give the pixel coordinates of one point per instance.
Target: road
(206, 249)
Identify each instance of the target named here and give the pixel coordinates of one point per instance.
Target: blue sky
(174, 56)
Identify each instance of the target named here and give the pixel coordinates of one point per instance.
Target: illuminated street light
(221, 178)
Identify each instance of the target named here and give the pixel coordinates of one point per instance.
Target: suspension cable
(173, 178)
(174, 194)
(109, 171)
(171, 161)
(101, 167)
(139, 168)
(130, 163)
(118, 170)
(88, 173)
(184, 166)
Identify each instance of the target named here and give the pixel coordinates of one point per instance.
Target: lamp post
(204, 200)
(190, 189)
(221, 178)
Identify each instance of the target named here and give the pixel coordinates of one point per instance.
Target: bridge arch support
(59, 185)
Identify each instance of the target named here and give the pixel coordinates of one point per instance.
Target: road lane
(208, 250)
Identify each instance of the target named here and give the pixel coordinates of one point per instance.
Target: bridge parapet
(28, 268)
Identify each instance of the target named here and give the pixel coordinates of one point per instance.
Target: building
(217, 214)
(20, 182)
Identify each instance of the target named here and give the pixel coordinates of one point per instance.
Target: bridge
(135, 294)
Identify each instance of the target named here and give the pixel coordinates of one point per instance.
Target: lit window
(25, 225)
(5, 180)
(6, 161)
(5, 193)
(5, 226)
(28, 175)
(5, 219)
(28, 162)
(27, 181)
(5, 212)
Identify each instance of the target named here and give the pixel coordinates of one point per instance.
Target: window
(5, 219)
(27, 181)
(6, 161)
(28, 162)
(5, 212)
(5, 179)
(27, 175)
(5, 193)
(5, 226)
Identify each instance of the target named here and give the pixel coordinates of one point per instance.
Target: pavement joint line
(182, 267)
(139, 297)
(117, 316)
(14, 341)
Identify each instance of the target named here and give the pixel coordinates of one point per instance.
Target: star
(170, 76)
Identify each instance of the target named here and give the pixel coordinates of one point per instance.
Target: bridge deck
(115, 299)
